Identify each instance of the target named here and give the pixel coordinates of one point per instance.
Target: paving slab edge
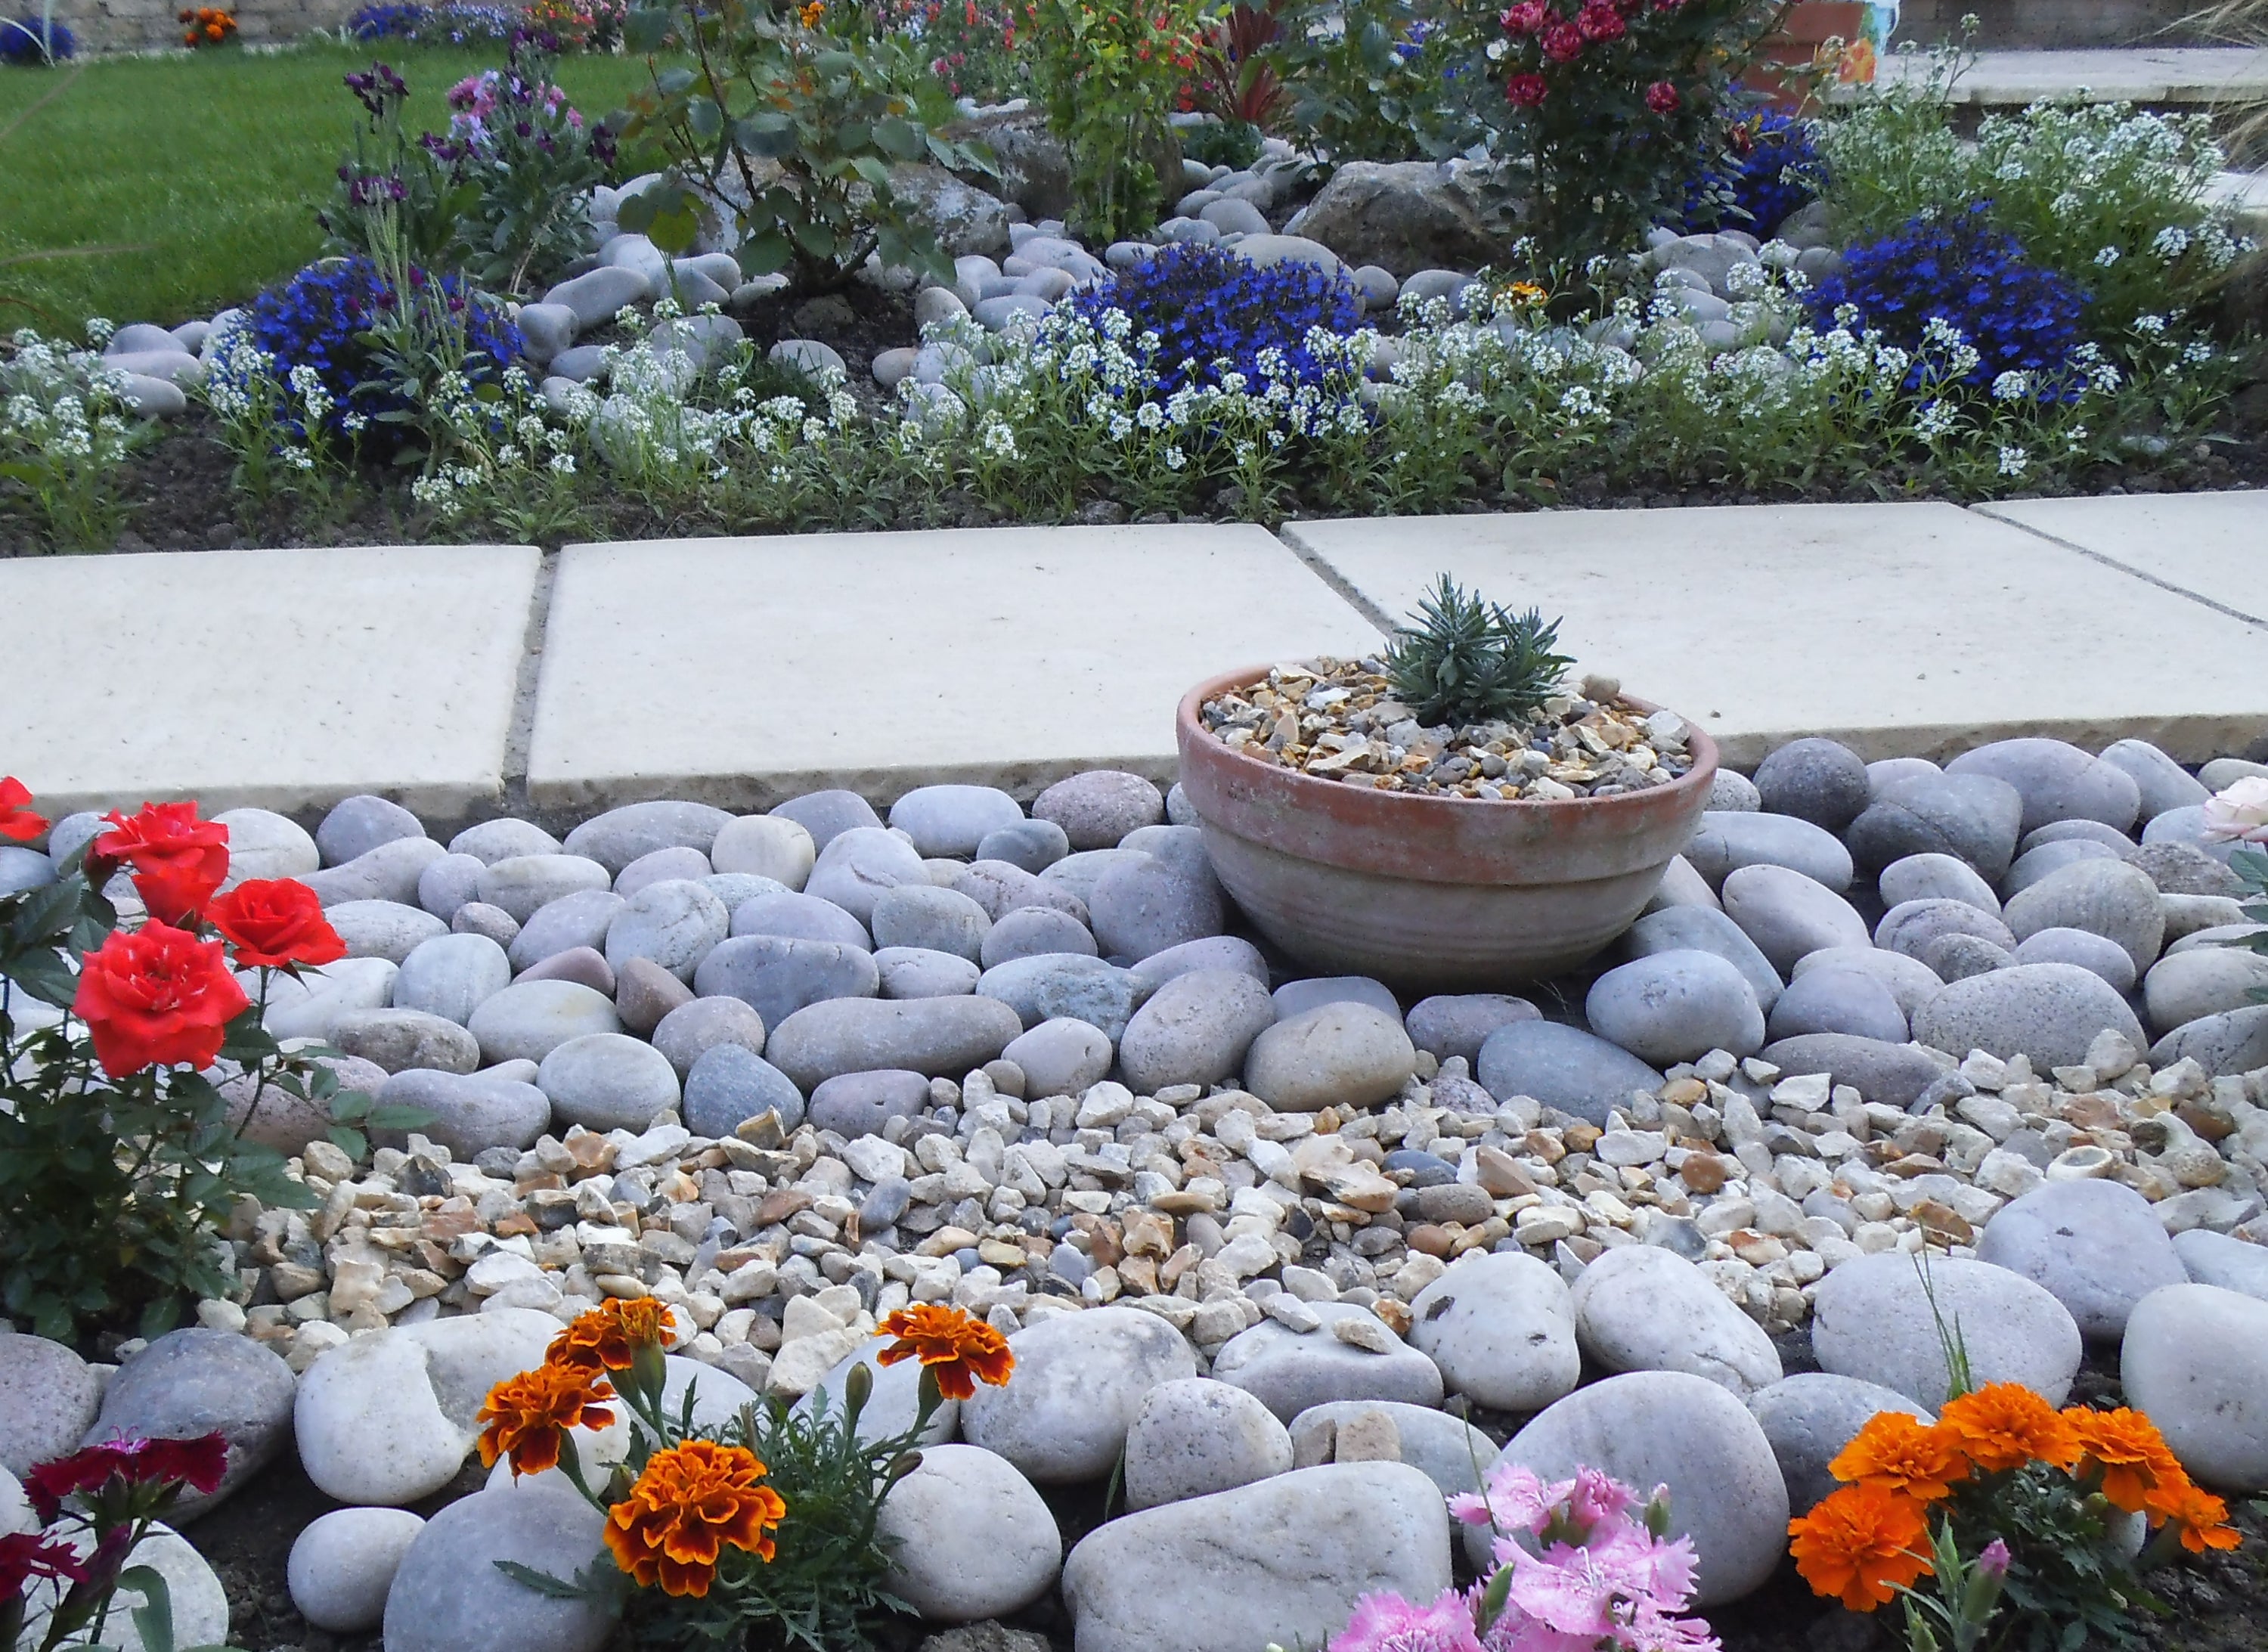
(2188, 737)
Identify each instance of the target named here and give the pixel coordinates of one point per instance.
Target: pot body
(1430, 893)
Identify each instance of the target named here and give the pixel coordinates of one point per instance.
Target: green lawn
(208, 165)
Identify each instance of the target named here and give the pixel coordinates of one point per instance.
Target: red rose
(16, 821)
(275, 921)
(157, 997)
(1661, 97)
(1527, 17)
(1600, 24)
(1526, 91)
(1563, 43)
(178, 859)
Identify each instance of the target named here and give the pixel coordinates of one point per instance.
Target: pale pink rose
(2239, 813)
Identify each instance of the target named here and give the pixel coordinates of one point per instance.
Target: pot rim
(1190, 725)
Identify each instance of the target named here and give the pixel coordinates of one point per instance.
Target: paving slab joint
(1991, 514)
(1345, 588)
(522, 729)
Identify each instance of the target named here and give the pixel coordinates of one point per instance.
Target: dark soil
(2215, 1603)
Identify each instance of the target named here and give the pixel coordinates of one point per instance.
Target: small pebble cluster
(1338, 720)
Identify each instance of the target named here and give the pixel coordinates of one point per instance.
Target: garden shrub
(1108, 75)
(1213, 314)
(65, 428)
(534, 160)
(35, 41)
(1775, 173)
(2114, 201)
(1597, 106)
(119, 1157)
(2012, 316)
(1366, 79)
(971, 45)
(793, 127)
(334, 319)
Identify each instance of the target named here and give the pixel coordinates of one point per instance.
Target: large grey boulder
(1078, 1382)
(1402, 216)
(1875, 1318)
(2097, 1246)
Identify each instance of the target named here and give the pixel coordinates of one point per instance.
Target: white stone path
(741, 671)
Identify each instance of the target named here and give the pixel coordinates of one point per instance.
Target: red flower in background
(1527, 17)
(1526, 91)
(275, 921)
(1600, 24)
(1563, 43)
(178, 860)
(16, 822)
(157, 997)
(1661, 97)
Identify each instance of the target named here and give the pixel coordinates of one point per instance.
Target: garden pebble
(971, 1537)
(342, 1564)
(1194, 1436)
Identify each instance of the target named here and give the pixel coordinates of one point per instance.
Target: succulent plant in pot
(1450, 813)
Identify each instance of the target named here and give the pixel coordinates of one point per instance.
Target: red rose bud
(1661, 97)
(1563, 43)
(1526, 90)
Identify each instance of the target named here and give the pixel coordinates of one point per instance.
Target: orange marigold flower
(689, 1503)
(1861, 1544)
(2129, 1449)
(526, 1416)
(961, 1349)
(2005, 1424)
(2202, 1518)
(607, 1337)
(1903, 1453)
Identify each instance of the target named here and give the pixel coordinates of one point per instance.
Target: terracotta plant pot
(1430, 892)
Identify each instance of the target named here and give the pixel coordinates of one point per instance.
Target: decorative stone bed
(1286, 1257)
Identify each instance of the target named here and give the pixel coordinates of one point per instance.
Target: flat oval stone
(1562, 1066)
(1195, 1436)
(1639, 1308)
(1726, 841)
(826, 815)
(675, 922)
(2057, 781)
(521, 884)
(1194, 1030)
(452, 976)
(1344, 1055)
(1078, 1382)
(729, 1084)
(795, 917)
(607, 1081)
(953, 819)
(620, 836)
(919, 972)
(573, 922)
(1060, 1056)
(494, 840)
(2192, 1359)
(939, 1036)
(1706, 929)
(528, 1019)
(1290, 1371)
(857, 866)
(690, 1030)
(767, 846)
(777, 977)
(468, 1113)
(1672, 1007)
(2049, 1012)
(1459, 1023)
(1788, 914)
(1809, 1418)
(1501, 1327)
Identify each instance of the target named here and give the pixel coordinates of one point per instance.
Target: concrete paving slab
(743, 671)
(284, 678)
(1905, 630)
(2159, 75)
(2212, 545)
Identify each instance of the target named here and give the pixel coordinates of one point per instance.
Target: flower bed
(2031, 314)
(700, 1068)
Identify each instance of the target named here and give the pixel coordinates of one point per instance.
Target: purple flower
(1994, 1561)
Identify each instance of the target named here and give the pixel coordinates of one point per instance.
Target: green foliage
(111, 1209)
(532, 160)
(1465, 660)
(793, 130)
(65, 429)
(1363, 82)
(1232, 144)
(2114, 201)
(1107, 76)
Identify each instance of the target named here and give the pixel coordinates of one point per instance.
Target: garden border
(292, 684)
